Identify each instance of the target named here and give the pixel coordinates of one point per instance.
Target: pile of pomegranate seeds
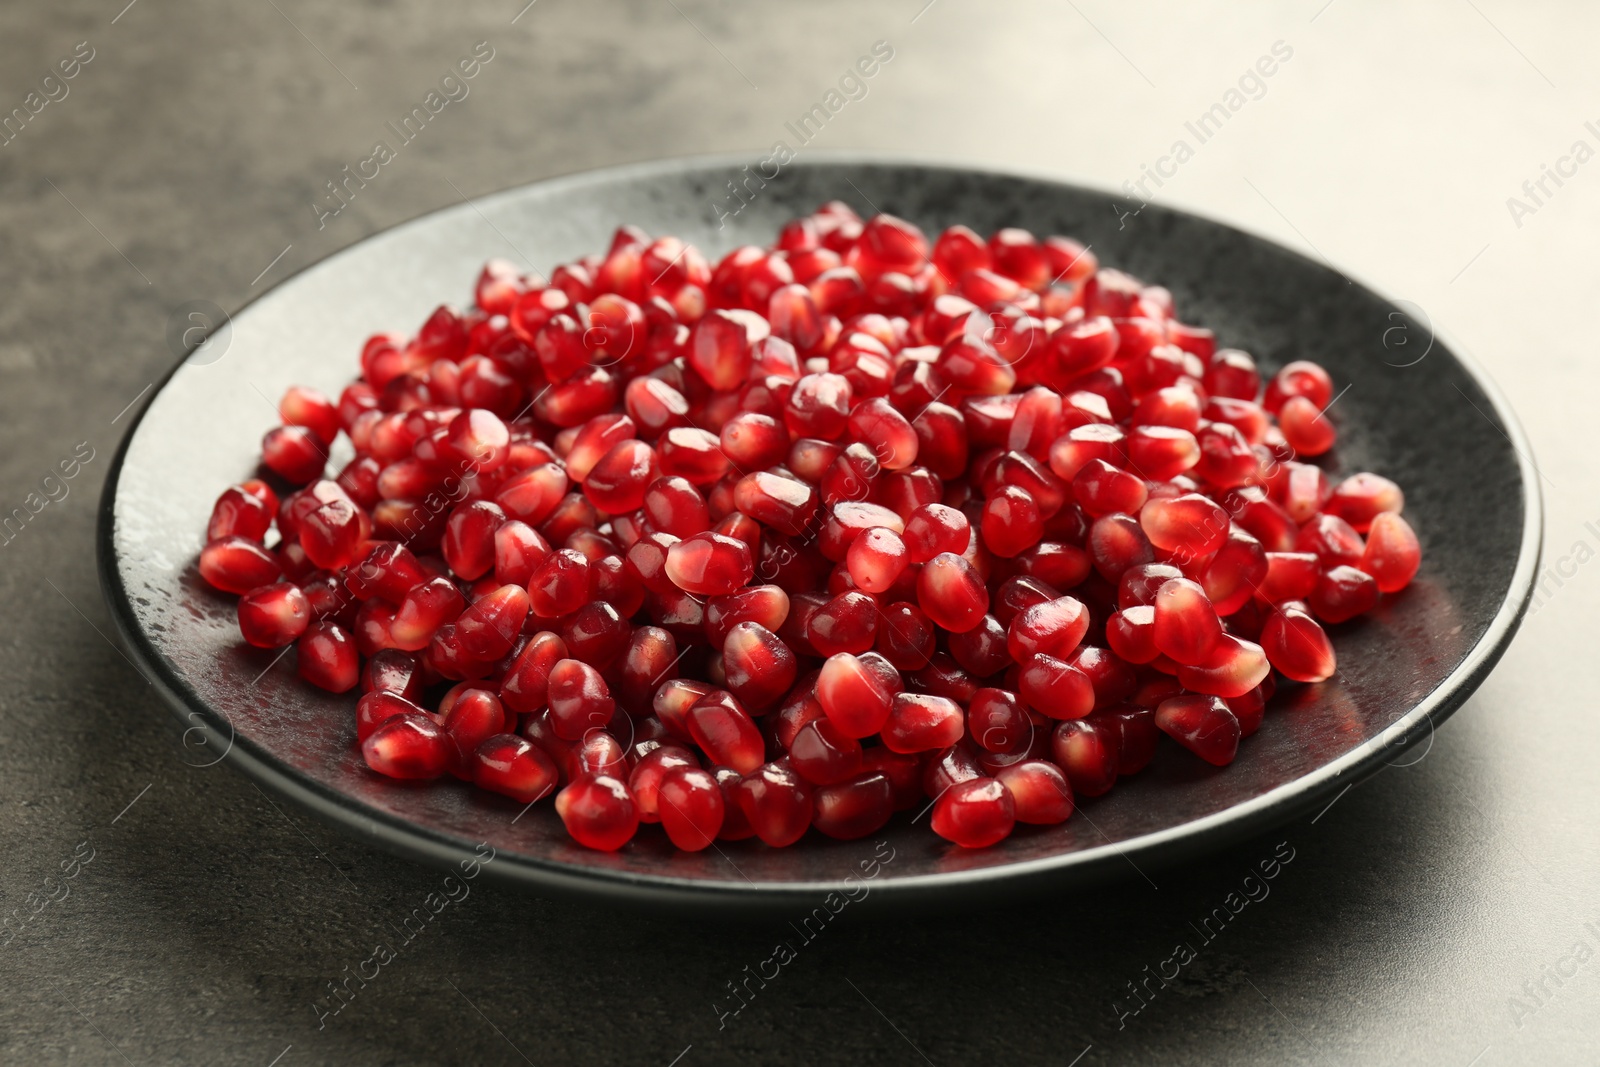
(818, 534)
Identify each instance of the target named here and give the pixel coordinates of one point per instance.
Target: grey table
(1446, 911)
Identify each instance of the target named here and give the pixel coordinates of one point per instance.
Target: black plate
(1415, 411)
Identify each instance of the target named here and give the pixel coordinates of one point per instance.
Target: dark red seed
(598, 813)
(1040, 793)
(409, 745)
(1201, 724)
(272, 616)
(975, 814)
(514, 767)
(854, 808)
(777, 804)
(691, 807)
(723, 729)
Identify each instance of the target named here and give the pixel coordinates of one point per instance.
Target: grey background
(207, 924)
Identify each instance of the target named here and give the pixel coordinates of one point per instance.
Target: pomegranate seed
(997, 721)
(723, 729)
(469, 538)
(1234, 668)
(691, 806)
(272, 616)
(853, 696)
(1201, 724)
(328, 658)
(490, 624)
(1040, 794)
(598, 813)
(1392, 555)
(975, 814)
(294, 454)
(1189, 525)
(1054, 627)
(375, 709)
(239, 513)
(1297, 646)
(1185, 625)
(514, 767)
(1343, 593)
(777, 804)
(1087, 753)
(410, 745)
(760, 668)
(1300, 378)
(710, 564)
(237, 565)
(854, 808)
(560, 584)
(1053, 687)
(952, 593)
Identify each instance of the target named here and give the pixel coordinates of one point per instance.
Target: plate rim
(1158, 847)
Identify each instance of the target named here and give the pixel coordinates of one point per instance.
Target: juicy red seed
(876, 559)
(560, 584)
(1297, 646)
(1300, 378)
(776, 803)
(852, 696)
(1054, 628)
(1011, 522)
(294, 454)
(1235, 667)
(1116, 543)
(759, 667)
(1102, 489)
(514, 767)
(1088, 753)
(752, 441)
(922, 722)
(526, 685)
(1305, 427)
(850, 519)
(1040, 793)
(692, 453)
(998, 722)
(951, 591)
(975, 814)
(644, 781)
(981, 651)
(710, 564)
(1185, 626)
(597, 634)
(848, 623)
(478, 438)
(327, 657)
(272, 616)
(375, 709)
(723, 729)
(237, 565)
(598, 813)
(1161, 453)
(786, 504)
(407, 745)
(886, 432)
(617, 482)
(579, 700)
(853, 808)
(1343, 593)
(691, 807)
(473, 717)
(1188, 525)
(1201, 724)
(1393, 555)
(239, 513)
(423, 610)
(823, 755)
(1235, 573)
(490, 624)
(1053, 687)
(1361, 498)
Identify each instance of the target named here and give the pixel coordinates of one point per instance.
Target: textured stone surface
(209, 920)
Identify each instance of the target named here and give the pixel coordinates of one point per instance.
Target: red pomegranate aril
(617, 482)
(1333, 541)
(474, 717)
(997, 722)
(691, 807)
(1040, 794)
(786, 504)
(854, 808)
(1343, 593)
(1290, 576)
(1131, 634)
(906, 636)
(952, 592)
(1235, 573)
(723, 729)
(375, 709)
(1116, 543)
(1055, 688)
(922, 722)
(710, 564)
(876, 559)
(392, 671)
(237, 565)
(644, 780)
(822, 755)
(301, 406)
(1393, 554)
(579, 700)
(478, 438)
(469, 538)
(514, 767)
(1189, 524)
(239, 513)
(327, 657)
(845, 623)
(599, 753)
(976, 813)
(1102, 489)
(1201, 724)
(272, 616)
(559, 585)
(1305, 427)
(1055, 628)
(1161, 453)
(294, 454)
(1011, 523)
(777, 804)
(409, 745)
(1235, 668)
(1087, 753)
(1297, 646)
(491, 623)
(1102, 441)
(1139, 585)
(1185, 626)
(1300, 378)
(759, 667)
(853, 696)
(598, 813)
(1361, 498)
(886, 432)
(525, 687)
(423, 610)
